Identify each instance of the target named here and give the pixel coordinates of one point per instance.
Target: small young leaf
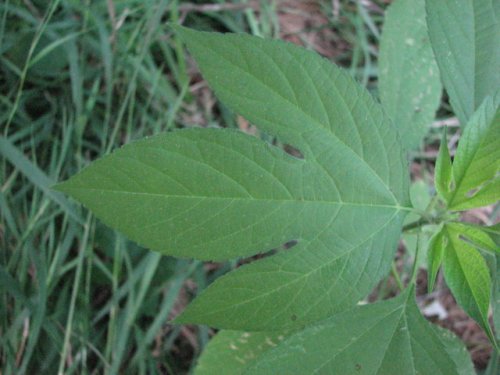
(443, 171)
(467, 275)
(389, 337)
(476, 167)
(435, 257)
(409, 84)
(464, 36)
(220, 194)
(231, 352)
(420, 198)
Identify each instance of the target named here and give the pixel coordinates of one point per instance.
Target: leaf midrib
(281, 200)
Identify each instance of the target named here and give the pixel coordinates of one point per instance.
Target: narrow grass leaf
(36, 176)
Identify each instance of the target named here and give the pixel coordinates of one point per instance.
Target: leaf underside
(220, 194)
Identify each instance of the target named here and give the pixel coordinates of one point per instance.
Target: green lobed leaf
(467, 276)
(443, 172)
(231, 352)
(464, 36)
(389, 337)
(476, 167)
(306, 101)
(219, 194)
(409, 84)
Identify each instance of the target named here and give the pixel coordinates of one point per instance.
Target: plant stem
(416, 224)
(396, 277)
(427, 218)
(414, 271)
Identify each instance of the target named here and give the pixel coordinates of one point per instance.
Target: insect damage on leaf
(216, 194)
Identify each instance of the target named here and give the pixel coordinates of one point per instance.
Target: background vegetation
(77, 80)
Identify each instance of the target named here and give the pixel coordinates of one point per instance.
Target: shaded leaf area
(409, 83)
(389, 337)
(220, 194)
(464, 36)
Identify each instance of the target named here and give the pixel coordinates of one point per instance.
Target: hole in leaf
(473, 192)
(293, 151)
(286, 246)
(452, 185)
(445, 241)
(290, 244)
(462, 237)
(293, 317)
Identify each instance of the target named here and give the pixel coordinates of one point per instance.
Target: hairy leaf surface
(219, 194)
(409, 83)
(464, 36)
(389, 337)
